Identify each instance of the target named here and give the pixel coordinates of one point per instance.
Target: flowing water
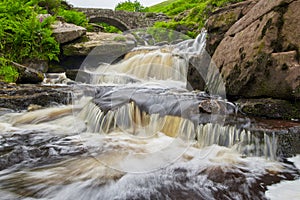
(135, 132)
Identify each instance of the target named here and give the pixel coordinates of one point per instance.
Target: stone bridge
(123, 20)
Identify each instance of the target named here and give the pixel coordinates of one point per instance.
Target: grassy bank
(188, 16)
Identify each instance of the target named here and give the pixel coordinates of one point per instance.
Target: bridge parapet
(122, 19)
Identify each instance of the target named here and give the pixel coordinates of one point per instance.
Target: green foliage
(8, 73)
(23, 35)
(26, 36)
(131, 6)
(188, 14)
(74, 17)
(110, 29)
(165, 35)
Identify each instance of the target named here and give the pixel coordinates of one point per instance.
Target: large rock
(96, 48)
(259, 55)
(222, 19)
(105, 44)
(28, 75)
(65, 32)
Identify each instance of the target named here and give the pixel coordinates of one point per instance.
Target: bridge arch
(111, 21)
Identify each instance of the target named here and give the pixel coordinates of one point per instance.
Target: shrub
(8, 73)
(74, 17)
(131, 6)
(24, 36)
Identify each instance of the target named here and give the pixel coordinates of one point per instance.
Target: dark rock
(20, 97)
(270, 108)
(28, 75)
(99, 48)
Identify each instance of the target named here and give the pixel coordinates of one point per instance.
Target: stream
(133, 131)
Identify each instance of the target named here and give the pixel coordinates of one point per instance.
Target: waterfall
(130, 119)
(135, 131)
(148, 97)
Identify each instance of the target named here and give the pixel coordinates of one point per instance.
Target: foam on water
(286, 189)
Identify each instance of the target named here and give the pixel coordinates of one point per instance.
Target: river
(134, 131)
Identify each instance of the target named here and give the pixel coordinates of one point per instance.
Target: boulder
(259, 54)
(97, 48)
(65, 32)
(222, 19)
(105, 43)
(28, 75)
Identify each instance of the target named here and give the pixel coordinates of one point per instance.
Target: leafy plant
(8, 73)
(74, 17)
(26, 36)
(109, 29)
(23, 35)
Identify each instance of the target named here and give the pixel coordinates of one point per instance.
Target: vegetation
(131, 6)
(189, 15)
(74, 17)
(26, 36)
(109, 29)
(8, 73)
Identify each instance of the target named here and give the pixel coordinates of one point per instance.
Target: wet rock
(258, 57)
(29, 147)
(20, 97)
(78, 75)
(65, 32)
(270, 108)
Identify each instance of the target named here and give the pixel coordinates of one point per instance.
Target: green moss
(225, 19)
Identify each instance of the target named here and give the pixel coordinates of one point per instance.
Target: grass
(188, 14)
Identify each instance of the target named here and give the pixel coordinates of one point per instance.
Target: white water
(286, 189)
(140, 139)
(92, 176)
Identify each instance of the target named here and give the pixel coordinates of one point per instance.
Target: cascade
(135, 132)
(149, 97)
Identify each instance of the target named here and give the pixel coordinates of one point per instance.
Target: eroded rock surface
(65, 32)
(259, 54)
